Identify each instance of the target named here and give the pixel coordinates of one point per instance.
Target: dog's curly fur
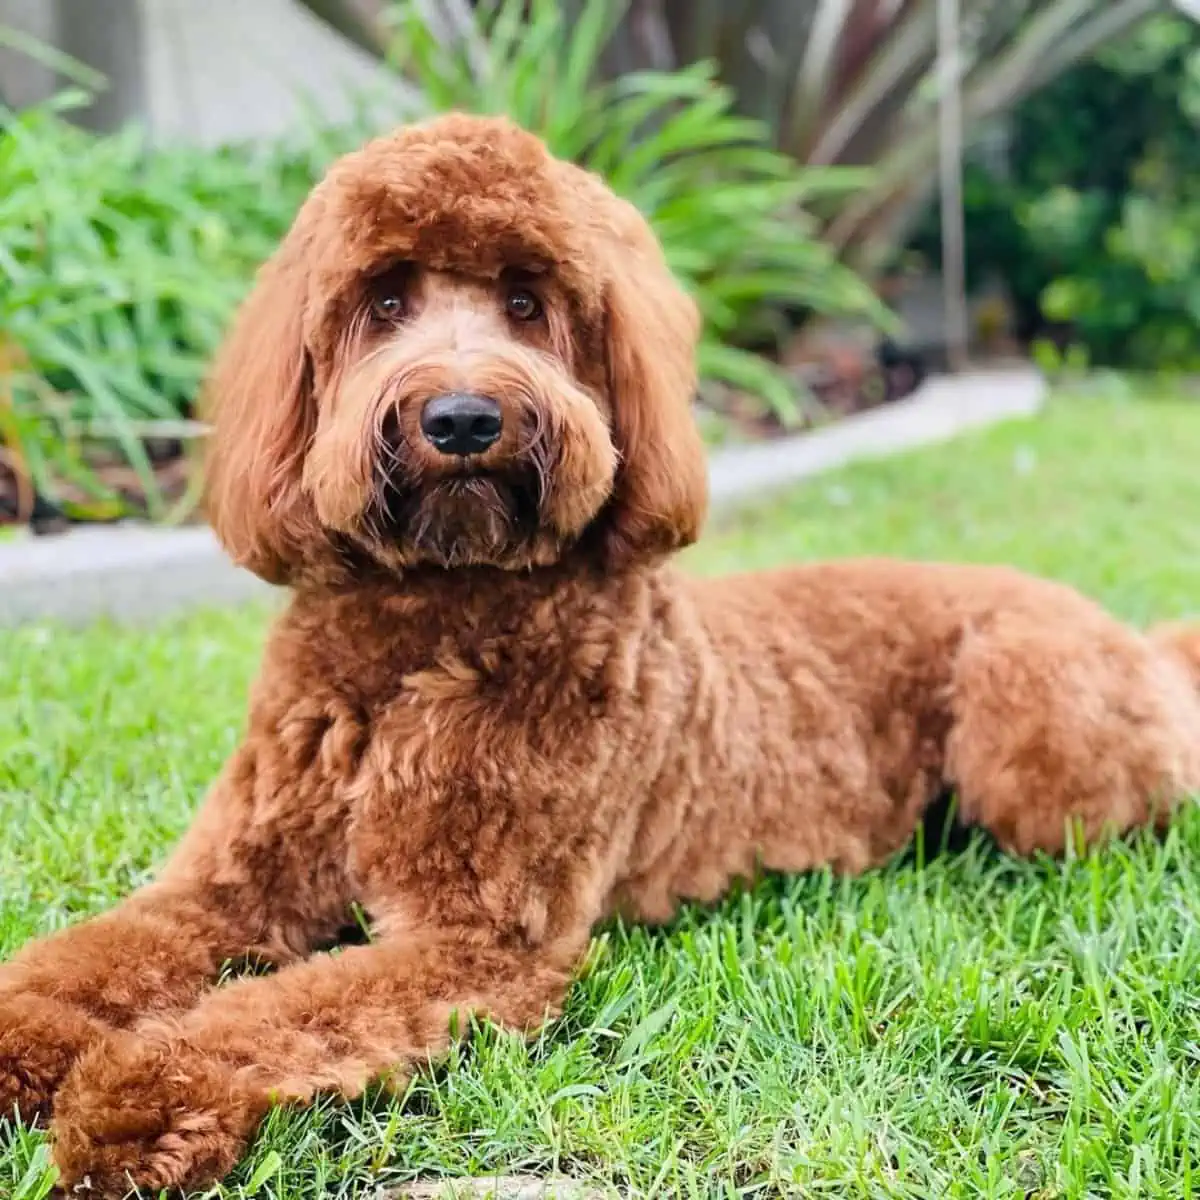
(493, 713)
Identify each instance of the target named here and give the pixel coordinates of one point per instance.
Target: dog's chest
(478, 789)
(497, 745)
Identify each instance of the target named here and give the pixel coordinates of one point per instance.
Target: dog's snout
(461, 423)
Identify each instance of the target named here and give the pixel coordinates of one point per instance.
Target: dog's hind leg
(1069, 723)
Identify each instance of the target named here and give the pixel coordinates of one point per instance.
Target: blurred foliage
(832, 82)
(731, 212)
(120, 262)
(120, 265)
(1095, 225)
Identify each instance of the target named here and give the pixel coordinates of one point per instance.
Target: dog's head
(464, 352)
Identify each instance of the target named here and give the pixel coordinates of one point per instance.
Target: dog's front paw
(40, 1041)
(150, 1115)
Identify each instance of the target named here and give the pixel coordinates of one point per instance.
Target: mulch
(124, 494)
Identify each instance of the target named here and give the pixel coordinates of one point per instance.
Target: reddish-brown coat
(493, 752)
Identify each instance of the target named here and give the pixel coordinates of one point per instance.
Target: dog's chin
(463, 521)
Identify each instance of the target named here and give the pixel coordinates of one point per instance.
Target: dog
(454, 418)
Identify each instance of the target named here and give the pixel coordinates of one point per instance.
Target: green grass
(959, 1025)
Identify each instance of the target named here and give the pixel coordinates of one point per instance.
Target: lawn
(951, 1025)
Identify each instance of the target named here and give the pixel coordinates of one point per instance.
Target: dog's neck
(475, 601)
(556, 623)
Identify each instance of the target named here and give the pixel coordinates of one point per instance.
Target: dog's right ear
(260, 403)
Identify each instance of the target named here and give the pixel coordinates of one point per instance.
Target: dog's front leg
(231, 891)
(175, 1106)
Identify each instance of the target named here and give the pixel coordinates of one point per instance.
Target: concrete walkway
(133, 573)
(942, 409)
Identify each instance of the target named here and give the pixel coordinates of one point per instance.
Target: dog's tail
(1181, 640)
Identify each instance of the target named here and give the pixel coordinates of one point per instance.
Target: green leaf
(270, 1166)
(39, 1177)
(643, 1032)
(752, 373)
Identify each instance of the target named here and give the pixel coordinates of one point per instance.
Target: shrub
(120, 266)
(834, 81)
(1095, 227)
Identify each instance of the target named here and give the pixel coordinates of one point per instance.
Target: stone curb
(941, 409)
(505, 1187)
(134, 574)
(128, 573)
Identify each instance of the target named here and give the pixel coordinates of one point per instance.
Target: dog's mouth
(466, 518)
(512, 508)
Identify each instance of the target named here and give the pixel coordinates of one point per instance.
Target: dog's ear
(660, 495)
(259, 401)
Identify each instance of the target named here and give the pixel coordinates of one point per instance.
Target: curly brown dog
(454, 416)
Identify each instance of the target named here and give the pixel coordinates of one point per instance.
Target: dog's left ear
(652, 326)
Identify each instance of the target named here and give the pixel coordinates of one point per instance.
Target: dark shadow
(941, 832)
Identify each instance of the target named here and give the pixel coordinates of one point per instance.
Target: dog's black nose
(461, 423)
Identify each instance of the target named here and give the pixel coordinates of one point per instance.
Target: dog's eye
(387, 306)
(523, 305)
(388, 294)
